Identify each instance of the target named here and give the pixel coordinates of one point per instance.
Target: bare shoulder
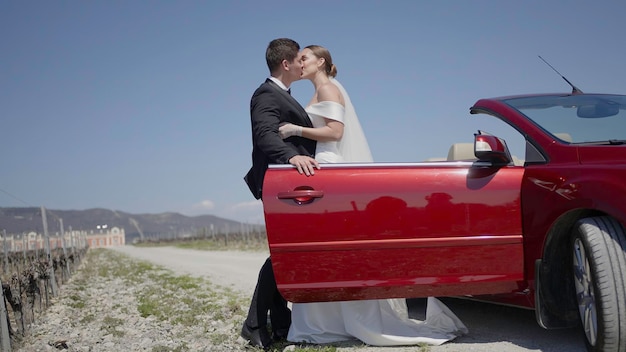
(329, 92)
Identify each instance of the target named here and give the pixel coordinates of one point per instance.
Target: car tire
(599, 264)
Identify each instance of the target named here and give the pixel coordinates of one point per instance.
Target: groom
(270, 106)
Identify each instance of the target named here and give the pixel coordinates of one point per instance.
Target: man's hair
(280, 49)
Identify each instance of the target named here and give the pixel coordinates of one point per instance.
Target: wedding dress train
(383, 322)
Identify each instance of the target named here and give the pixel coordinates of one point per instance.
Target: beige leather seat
(461, 151)
(436, 158)
(564, 137)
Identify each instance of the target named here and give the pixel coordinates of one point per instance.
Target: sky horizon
(143, 106)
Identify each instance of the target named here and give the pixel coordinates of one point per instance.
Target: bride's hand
(287, 130)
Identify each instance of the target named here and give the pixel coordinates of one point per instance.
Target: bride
(340, 138)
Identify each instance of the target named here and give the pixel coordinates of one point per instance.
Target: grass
(176, 299)
(112, 326)
(173, 299)
(181, 299)
(236, 243)
(87, 319)
(187, 312)
(77, 301)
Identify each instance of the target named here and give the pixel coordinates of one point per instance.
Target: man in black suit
(270, 106)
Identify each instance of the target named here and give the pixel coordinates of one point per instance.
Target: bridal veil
(353, 146)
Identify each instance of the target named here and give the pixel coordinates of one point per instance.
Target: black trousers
(266, 299)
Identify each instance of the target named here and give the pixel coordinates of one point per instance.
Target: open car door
(370, 231)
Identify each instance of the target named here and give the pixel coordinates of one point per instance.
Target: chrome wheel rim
(584, 293)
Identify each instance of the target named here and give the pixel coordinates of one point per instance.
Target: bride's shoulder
(329, 92)
(327, 109)
(325, 104)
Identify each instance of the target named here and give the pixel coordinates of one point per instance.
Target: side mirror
(491, 148)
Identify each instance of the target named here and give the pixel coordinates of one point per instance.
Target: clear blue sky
(143, 106)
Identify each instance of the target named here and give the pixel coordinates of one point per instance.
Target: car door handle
(301, 196)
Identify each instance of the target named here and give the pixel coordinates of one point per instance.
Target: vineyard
(35, 265)
(29, 279)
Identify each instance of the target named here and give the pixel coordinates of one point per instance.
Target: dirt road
(492, 328)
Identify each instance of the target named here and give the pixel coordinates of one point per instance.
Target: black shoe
(258, 337)
(280, 334)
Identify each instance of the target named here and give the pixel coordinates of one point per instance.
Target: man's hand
(305, 164)
(287, 130)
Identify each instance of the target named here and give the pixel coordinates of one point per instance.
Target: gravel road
(492, 328)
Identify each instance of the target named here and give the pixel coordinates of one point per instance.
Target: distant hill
(168, 225)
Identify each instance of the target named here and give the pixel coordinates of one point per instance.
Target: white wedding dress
(353, 146)
(383, 322)
(326, 152)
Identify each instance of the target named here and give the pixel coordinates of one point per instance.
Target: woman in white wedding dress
(382, 322)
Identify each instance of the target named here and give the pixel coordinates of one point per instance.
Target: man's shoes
(280, 334)
(258, 337)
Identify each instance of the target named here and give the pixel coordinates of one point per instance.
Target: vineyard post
(5, 340)
(73, 241)
(5, 250)
(83, 240)
(67, 262)
(24, 246)
(47, 243)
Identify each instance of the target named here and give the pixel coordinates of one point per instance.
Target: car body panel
(395, 230)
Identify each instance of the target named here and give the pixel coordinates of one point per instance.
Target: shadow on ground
(492, 323)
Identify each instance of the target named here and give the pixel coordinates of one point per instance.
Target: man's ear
(285, 65)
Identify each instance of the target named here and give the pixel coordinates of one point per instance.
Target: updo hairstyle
(321, 52)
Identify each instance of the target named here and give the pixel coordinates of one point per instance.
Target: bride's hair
(321, 52)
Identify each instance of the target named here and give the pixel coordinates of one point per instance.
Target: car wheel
(599, 259)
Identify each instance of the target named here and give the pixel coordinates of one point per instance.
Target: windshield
(585, 118)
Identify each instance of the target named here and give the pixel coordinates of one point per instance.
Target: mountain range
(163, 225)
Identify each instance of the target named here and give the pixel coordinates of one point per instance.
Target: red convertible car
(542, 230)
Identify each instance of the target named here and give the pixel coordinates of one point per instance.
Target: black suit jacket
(271, 106)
